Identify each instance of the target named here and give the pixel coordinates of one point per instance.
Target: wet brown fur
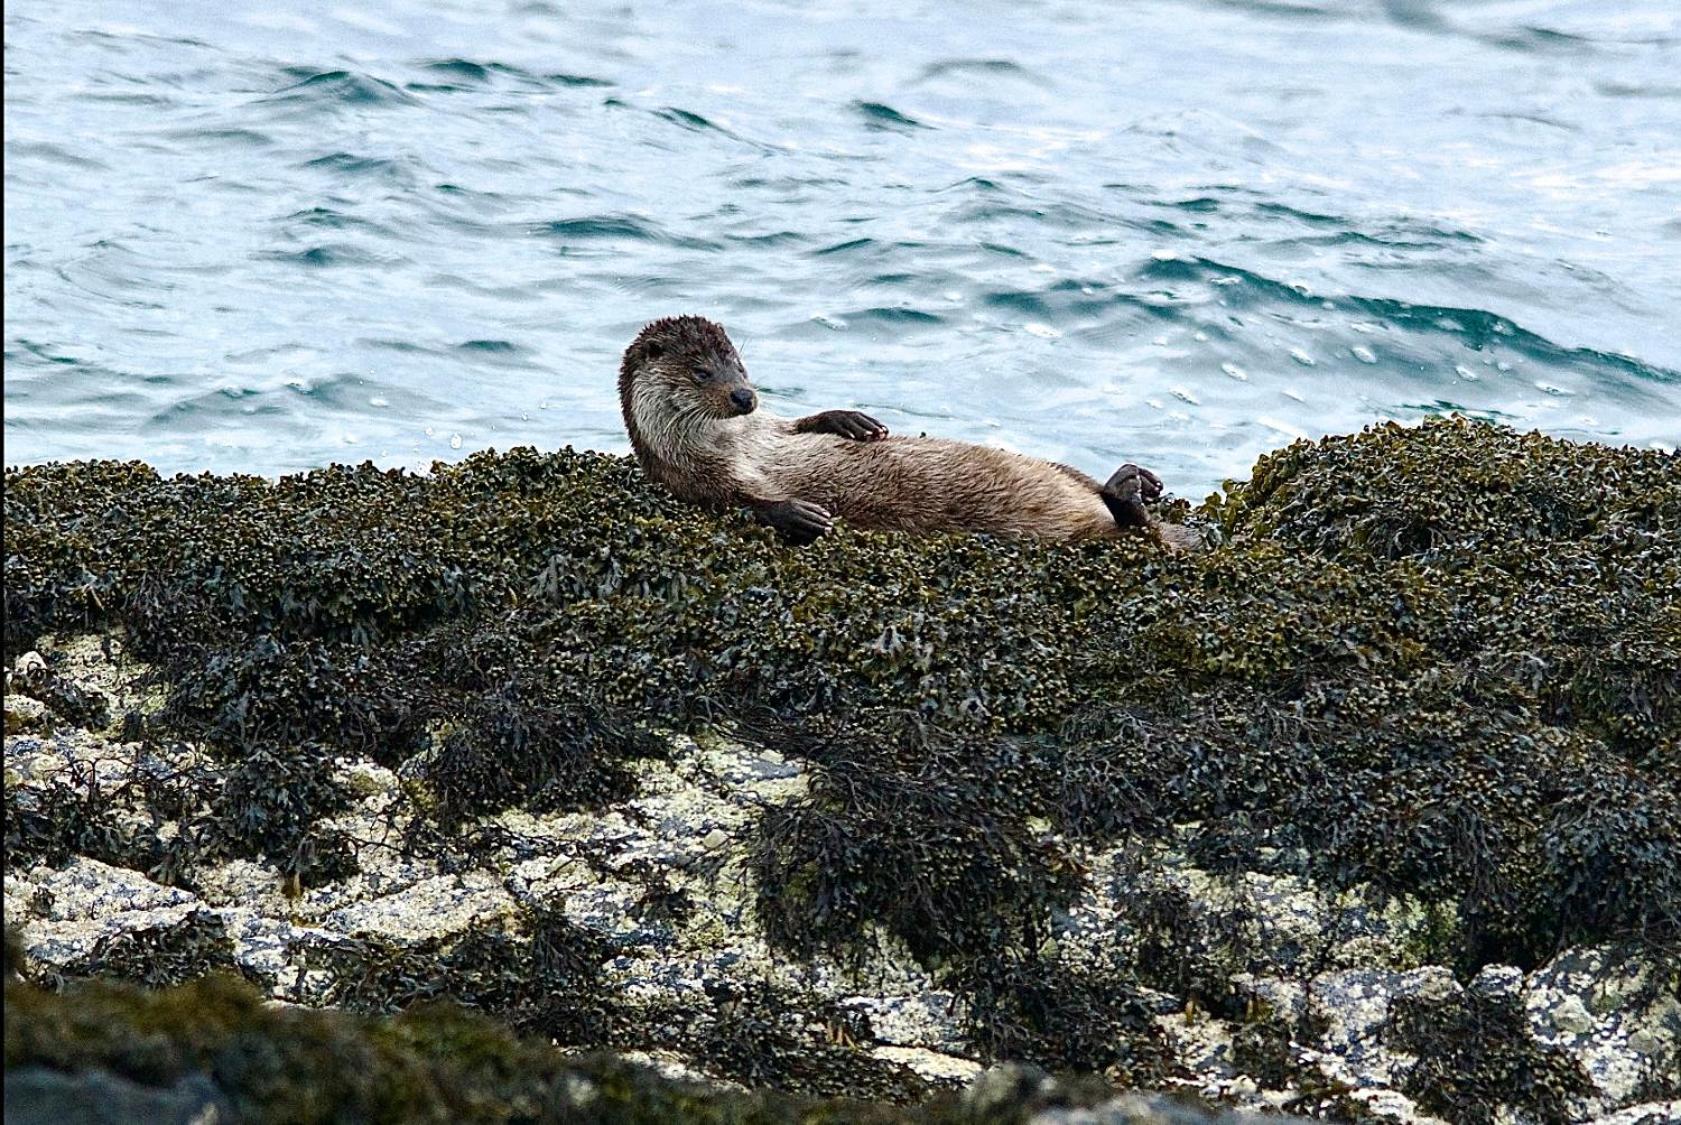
(690, 436)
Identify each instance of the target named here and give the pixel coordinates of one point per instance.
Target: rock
(1646, 1113)
(37, 1096)
(1352, 1005)
(1617, 1013)
(934, 1067)
(1140, 1109)
(1282, 999)
(445, 904)
(661, 880)
(23, 900)
(87, 889)
(66, 945)
(25, 715)
(926, 1020)
(1503, 981)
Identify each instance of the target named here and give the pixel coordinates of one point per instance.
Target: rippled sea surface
(266, 237)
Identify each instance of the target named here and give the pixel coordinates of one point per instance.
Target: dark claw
(851, 424)
(799, 520)
(1131, 481)
(1128, 491)
(865, 428)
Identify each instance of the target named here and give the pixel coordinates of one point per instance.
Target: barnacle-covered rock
(1401, 754)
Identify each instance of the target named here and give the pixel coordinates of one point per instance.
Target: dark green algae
(1441, 661)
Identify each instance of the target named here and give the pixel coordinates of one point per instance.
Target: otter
(695, 426)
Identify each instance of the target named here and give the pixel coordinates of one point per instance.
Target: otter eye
(702, 374)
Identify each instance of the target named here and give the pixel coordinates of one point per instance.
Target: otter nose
(742, 399)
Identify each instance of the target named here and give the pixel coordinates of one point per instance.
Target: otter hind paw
(1128, 491)
(800, 520)
(854, 425)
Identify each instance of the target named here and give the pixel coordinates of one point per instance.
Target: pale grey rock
(444, 904)
(387, 877)
(928, 1020)
(20, 899)
(272, 949)
(1646, 1113)
(88, 889)
(739, 769)
(610, 910)
(1353, 1005)
(1613, 1012)
(1392, 1105)
(25, 714)
(368, 781)
(1499, 982)
(931, 1066)
(74, 756)
(1149, 1109)
(669, 1064)
(100, 663)
(1205, 1046)
(246, 884)
(685, 829)
(64, 943)
(1283, 999)
(1284, 925)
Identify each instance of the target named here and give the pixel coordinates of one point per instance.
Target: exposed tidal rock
(1370, 812)
(1618, 1016)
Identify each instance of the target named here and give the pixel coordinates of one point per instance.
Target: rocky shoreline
(597, 774)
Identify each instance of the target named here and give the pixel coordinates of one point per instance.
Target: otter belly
(931, 484)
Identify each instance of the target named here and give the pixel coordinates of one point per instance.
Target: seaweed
(71, 702)
(160, 955)
(1065, 1018)
(935, 853)
(268, 809)
(541, 976)
(78, 816)
(514, 748)
(1475, 1054)
(763, 1038)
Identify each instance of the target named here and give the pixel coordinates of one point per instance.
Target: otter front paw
(1128, 491)
(851, 424)
(800, 520)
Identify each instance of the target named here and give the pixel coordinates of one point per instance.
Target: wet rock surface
(1368, 811)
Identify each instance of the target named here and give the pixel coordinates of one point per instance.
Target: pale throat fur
(679, 443)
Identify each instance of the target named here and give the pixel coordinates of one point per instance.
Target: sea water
(261, 238)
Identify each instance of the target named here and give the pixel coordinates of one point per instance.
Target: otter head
(678, 377)
(691, 360)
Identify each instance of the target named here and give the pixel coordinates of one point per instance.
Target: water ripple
(878, 115)
(335, 89)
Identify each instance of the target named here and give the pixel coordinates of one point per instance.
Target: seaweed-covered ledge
(1373, 809)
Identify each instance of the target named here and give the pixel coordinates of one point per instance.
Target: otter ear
(653, 349)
